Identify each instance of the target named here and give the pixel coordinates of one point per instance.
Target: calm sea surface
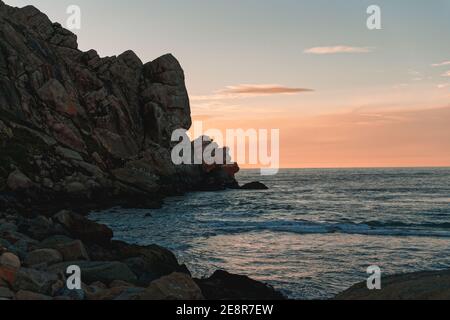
(312, 235)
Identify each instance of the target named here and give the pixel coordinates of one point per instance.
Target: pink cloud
(262, 89)
(337, 49)
(445, 63)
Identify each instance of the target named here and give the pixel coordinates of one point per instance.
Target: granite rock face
(74, 125)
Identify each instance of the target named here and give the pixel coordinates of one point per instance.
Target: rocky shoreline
(36, 252)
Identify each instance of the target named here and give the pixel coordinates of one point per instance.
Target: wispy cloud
(443, 85)
(263, 89)
(338, 49)
(250, 90)
(446, 74)
(445, 63)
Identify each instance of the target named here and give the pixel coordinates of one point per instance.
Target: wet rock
(18, 181)
(103, 271)
(149, 262)
(83, 228)
(10, 260)
(226, 286)
(8, 227)
(36, 281)
(73, 251)
(44, 257)
(254, 186)
(176, 286)
(412, 286)
(39, 228)
(54, 241)
(76, 188)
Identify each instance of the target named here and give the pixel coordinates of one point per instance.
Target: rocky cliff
(75, 126)
(79, 131)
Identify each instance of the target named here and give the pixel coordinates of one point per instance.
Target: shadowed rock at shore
(254, 186)
(35, 269)
(433, 285)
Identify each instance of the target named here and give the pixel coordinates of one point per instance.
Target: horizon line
(363, 167)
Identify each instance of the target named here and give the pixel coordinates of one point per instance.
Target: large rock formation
(74, 125)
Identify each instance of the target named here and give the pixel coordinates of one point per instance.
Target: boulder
(7, 226)
(73, 251)
(103, 271)
(434, 285)
(147, 262)
(176, 286)
(39, 228)
(54, 241)
(83, 228)
(43, 257)
(226, 286)
(36, 281)
(10, 260)
(18, 181)
(254, 186)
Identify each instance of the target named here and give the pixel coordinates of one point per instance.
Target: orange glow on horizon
(409, 138)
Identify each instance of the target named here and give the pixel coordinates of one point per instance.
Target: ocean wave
(372, 228)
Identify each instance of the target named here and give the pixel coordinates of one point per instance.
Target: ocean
(312, 235)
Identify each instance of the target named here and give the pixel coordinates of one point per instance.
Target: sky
(340, 94)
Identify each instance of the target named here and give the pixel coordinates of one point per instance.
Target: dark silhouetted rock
(82, 228)
(254, 186)
(103, 271)
(433, 285)
(176, 286)
(226, 286)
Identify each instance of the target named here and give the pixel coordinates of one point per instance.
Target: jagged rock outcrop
(74, 125)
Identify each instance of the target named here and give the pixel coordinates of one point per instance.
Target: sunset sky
(341, 95)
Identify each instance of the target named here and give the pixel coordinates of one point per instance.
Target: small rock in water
(254, 186)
